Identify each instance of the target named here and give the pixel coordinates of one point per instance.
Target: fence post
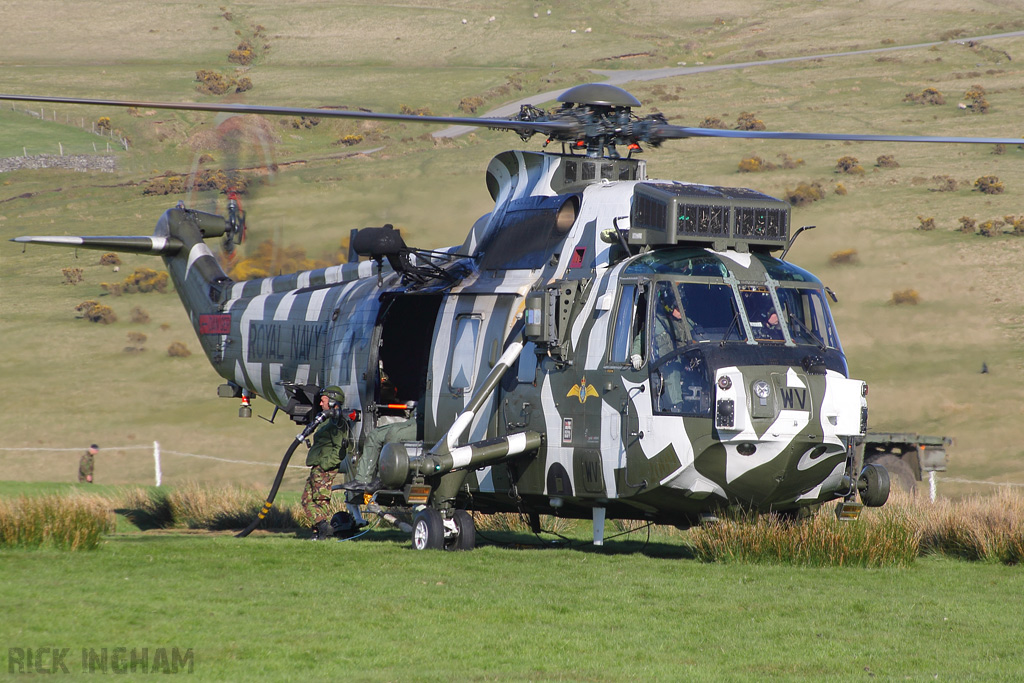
(156, 460)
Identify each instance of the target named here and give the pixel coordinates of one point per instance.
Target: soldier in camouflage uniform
(329, 444)
(87, 464)
(366, 478)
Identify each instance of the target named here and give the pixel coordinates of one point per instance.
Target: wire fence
(158, 453)
(102, 130)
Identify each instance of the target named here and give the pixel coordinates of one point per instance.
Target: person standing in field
(330, 443)
(87, 464)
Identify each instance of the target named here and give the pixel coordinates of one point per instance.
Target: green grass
(518, 607)
(275, 607)
(21, 133)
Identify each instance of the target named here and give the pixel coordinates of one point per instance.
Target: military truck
(906, 455)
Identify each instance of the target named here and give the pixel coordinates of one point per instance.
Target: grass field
(274, 606)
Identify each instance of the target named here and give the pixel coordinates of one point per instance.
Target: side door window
(464, 346)
(629, 328)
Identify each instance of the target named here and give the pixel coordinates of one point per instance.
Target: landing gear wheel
(428, 530)
(900, 473)
(873, 485)
(465, 539)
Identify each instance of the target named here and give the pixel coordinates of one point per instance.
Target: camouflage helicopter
(603, 345)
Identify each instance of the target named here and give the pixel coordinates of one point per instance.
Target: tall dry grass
(520, 523)
(193, 506)
(63, 522)
(987, 529)
(889, 538)
(228, 507)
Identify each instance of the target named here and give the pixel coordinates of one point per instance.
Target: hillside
(70, 382)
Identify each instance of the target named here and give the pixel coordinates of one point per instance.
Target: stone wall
(75, 162)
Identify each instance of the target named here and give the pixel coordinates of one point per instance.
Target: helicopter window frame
(624, 329)
(813, 308)
(701, 299)
(760, 326)
(464, 351)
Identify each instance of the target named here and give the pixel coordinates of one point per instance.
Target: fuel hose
(281, 470)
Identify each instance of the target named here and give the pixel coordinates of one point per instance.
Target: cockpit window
(685, 262)
(807, 316)
(784, 271)
(764, 319)
(694, 311)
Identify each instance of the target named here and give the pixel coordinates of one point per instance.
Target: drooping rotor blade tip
(562, 127)
(682, 132)
(132, 244)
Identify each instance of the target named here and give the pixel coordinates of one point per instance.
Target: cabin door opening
(405, 333)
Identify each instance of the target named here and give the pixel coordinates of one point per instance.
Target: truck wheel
(465, 539)
(899, 471)
(428, 530)
(873, 485)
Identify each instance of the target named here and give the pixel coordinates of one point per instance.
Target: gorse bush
(804, 194)
(72, 276)
(976, 101)
(926, 223)
(849, 165)
(268, 259)
(215, 83)
(139, 315)
(843, 257)
(712, 122)
(945, 183)
(95, 312)
(926, 96)
(905, 296)
(989, 184)
(202, 181)
(887, 161)
(749, 121)
(178, 350)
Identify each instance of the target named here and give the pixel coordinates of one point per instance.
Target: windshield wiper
(728, 330)
(803, 325)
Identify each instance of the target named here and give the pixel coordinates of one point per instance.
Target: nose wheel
(430, 531)
(873, 485)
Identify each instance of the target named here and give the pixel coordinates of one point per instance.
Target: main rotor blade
(548, 127)
(678, 132)
(133, 244)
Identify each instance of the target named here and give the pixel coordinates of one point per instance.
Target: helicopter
(603, 345)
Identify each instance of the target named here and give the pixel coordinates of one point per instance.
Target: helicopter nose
(784, 430)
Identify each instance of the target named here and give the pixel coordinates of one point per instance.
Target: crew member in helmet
(330, 442)
(390, 428)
